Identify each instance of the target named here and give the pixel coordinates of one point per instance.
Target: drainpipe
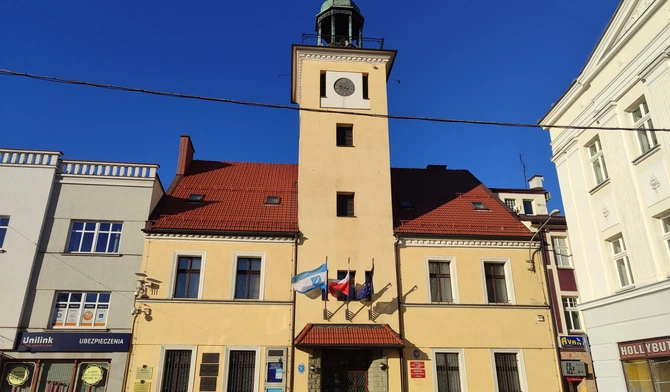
(396, 245)
(295, 271)
(545, 262)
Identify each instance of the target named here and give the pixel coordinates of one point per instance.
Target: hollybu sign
(659, 347)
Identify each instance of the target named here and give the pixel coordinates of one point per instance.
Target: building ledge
(626, 295)
(646, 155)
(599, 186)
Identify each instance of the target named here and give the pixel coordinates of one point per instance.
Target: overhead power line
(315, 110)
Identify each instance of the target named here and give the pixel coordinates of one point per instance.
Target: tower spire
(340, 23)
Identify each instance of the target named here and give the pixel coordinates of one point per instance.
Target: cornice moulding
(220, 238)
(466, 243)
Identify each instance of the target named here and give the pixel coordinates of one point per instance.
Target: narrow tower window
(365, 87)
(345, 135)
(322, 85)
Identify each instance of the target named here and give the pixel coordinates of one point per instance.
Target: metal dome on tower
(340, 23)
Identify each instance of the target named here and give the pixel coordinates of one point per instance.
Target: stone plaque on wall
(210, 358)
(211, 370)
(208, 383)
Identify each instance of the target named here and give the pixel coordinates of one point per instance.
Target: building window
(528, 207)
(511, 203)
(561, 253)
(365, 87)
(95, 237)
(622, 263)
(597, 162)
(665, 224)
(440, 281)
(496, 287)
(188, 277)
(4, 224)
(345, 204)
(352, 286)
(248, 278)
(273, 200)
(571, 314)
(345, 135)
(322, 85)
(643, 375)
(448, 377)
(176, 371)
(57, 375)
(81, 309)
(642, 121)
(478, 205)
(507, 372)
(241, 371)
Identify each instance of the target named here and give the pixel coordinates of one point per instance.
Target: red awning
(574, 379)
(345, 335)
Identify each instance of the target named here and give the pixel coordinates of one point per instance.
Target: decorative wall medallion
(606, 211)
(655, 183)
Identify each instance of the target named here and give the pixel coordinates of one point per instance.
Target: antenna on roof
(523, 168)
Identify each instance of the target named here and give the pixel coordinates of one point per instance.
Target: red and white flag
(340, 288)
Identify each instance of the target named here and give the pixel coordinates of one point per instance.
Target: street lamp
(552, 214)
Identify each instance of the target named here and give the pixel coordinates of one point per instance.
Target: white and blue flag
(310, 280)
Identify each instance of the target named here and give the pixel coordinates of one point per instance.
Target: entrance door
(345, 370)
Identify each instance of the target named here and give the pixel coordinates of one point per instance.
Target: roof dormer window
(195, 197)
(273, 200)
(478, 205)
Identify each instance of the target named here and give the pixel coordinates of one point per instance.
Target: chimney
(536, 181)
(186, 151)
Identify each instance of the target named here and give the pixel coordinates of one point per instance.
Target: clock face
(344, 87)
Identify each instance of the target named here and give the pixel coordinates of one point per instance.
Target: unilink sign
(73, 342)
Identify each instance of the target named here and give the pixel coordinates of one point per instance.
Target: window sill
(565, 267)
(89, 254)
(247, 299)
(576, 332)
(625, 289)
(346, 216)
(599, 186)
(345, 146)
(82, 329)
(646, 155)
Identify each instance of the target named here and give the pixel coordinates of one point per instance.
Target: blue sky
(485, 60)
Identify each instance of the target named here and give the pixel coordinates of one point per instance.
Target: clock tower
(344, 183)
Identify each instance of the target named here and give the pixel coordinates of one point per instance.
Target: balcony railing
(28, 157)
(341, 41)
(108, 169)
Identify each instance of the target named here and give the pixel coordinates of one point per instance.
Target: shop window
(638, 376)
(81, 309)
(56, 376)
(17, 377)
(660, 371)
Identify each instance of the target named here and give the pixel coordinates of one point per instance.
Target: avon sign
(645, 348)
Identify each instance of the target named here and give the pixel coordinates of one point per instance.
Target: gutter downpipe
(295, 270)
(545, 262)
(403, 380)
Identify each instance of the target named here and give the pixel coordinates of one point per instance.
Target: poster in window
(275, 372)
(88, 315)
(72, 315)
(101, 316)
(61, 311)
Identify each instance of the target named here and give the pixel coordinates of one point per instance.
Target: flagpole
(349, 283)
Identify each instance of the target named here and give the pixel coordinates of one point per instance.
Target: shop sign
(73, 342)
(570, 341)
(417, 369)
(18, 376)
(573, 368)
(92, 375)
(659, 347)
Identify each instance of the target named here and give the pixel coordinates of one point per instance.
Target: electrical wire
(314, 110)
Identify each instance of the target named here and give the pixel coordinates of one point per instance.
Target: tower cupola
(340, 23)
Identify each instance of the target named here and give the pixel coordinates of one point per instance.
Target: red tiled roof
(235, 195)
(442, 202)
(346, 335)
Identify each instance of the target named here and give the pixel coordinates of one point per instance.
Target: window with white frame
(94, 237)
(440, 281)
(642, 121)
(665, 224)
(511, 203)
(187, 283)
(508, 374)
(597, 162)
(622, 263)
(4, 224)
(81, 309)
(248, 278)
(447, 372)
(572, 320)
(496, 284)
(561, 251)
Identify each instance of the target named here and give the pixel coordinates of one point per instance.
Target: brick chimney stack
(186, 152)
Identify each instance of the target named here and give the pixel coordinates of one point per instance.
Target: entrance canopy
(347, 335)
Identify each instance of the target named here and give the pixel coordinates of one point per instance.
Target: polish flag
(340, 288)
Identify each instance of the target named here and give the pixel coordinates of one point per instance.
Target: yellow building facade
(453, 303)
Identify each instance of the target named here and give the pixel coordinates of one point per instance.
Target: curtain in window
(507, 372)
(448, 379)
(661, 372)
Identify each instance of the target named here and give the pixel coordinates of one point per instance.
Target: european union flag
(368, 288)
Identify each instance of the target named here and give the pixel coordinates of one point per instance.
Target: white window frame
(226, 364)
(461, 365)
(555, 248)
(54, 310)
(161, 364)
(233, 278)
(521, 365)
(623, 255)
(666, 234)
(572, 309)
(173, 275)
(96, 232)
(509, 281)
(6, 229)
(599, 157)
(511, 204)
(453, 275)
(644, 124)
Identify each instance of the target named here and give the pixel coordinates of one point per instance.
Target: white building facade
(616, 194)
